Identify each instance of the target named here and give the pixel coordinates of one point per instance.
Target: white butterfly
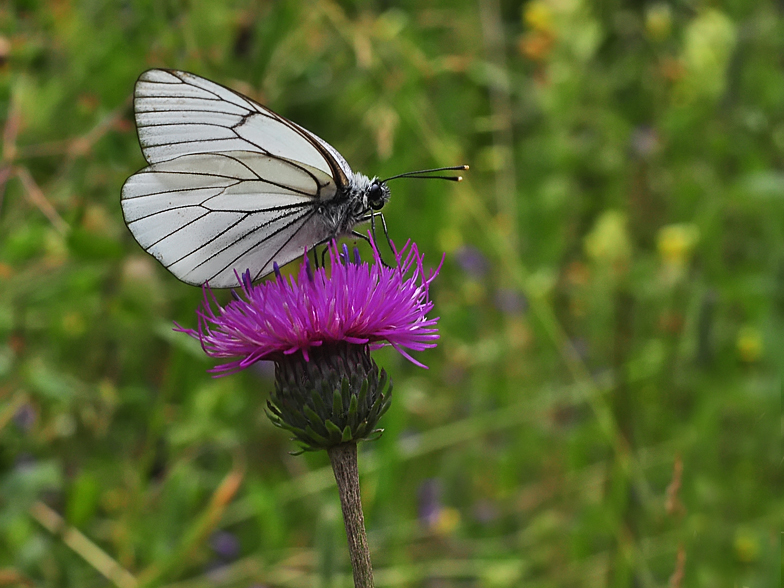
(233, 186)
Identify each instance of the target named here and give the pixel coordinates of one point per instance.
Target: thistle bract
(336, 396)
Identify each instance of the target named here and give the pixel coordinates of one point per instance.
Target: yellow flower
(447, 521)
(749, 344)
(746, 545)
(538, 16)
(676, 242)
(609, 242)
(709, 42)
(658, 21)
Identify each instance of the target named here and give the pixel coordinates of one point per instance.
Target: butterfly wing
(205, 215)
(230, 186)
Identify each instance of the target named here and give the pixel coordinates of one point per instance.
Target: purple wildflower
(510, 301)
(358, 303)
(645, 141)
(430, 506)
(225, 544)
(472, 261)
(25, 416)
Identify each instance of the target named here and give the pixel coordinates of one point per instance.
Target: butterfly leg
(366, 238)
(386, 230)
(360, 236)
(372, 218)
(383, 226)
(325, 242)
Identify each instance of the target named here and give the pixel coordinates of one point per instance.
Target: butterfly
(231, 186)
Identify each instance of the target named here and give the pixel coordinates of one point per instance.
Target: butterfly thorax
(353, 203)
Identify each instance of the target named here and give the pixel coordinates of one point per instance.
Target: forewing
(206, 215)
(339, 161)
(178, 113)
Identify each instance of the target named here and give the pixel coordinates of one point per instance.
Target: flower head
(319, 330)
(357, 303)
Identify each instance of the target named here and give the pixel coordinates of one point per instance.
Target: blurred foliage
(604, 408)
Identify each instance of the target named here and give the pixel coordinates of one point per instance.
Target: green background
(604, 406)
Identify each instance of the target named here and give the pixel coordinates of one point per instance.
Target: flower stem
(344, 464)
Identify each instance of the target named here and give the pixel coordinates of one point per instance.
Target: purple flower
(430, 506)
(645, 141)
(25, 416)
(357, 303)
(472, 261)
(510, 301)
(225, 544)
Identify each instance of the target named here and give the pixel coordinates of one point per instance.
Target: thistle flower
(319, 330)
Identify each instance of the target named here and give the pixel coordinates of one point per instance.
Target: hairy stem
(344, 464)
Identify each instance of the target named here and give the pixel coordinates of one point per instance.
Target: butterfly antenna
(420, 174)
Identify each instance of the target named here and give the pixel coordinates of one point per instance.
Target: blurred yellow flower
(749, 344)
(709, 42)
(676, 242)
(746, 545)
(538, 16)
(447, 521)
(609, 242)
(658, 21)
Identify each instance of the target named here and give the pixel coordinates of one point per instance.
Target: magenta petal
(357, 303)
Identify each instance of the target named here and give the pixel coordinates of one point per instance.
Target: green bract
(335, 397)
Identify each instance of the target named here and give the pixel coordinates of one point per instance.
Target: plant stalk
(344, 464)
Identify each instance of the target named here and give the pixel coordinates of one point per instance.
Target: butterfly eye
(376, 196)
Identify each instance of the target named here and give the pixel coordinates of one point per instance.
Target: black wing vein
(230, 184)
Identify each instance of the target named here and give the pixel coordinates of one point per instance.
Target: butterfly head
(378, 194)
